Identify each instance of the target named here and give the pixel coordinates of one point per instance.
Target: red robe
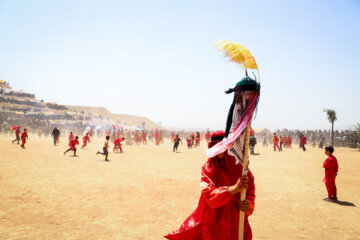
(71, 137)
(85, 140)
(73, 143)
(217, 214)
(303, 140)
(289, 141)
(117, 142)
(207, 137)
(144, 138)
(17, 132)
(24, 135)
(331, 169)
(276, 142)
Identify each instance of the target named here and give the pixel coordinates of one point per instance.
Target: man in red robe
(157, 137)
(276, 142)
(289, 141)
(117, 144)
(331, 169)
(143, 136)
(72, 145)
(217, 214)
(71, 137)
(303, 142)
(207, 136)
(86, 139)
(24, 136)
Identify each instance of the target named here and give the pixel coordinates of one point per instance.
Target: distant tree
(357, 129)
(331, 115)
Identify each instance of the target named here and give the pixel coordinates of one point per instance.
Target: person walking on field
(72, 145)
(56, 134)
(71, 137)
(17, 135)
(289, 141)
(177, 140)
(276, 142)
(24, 136)
(303, 142)
(105, 149)
(331, 170)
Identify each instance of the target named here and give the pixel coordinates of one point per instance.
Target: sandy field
(148, 191)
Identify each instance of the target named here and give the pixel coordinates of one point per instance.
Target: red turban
(218, 135)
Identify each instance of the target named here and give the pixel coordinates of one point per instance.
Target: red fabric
(289, 141)
(73, 143)
(331, 168)
(207, 137)
(117, 142)
(24, 135)
(276, 142)
(303, 140)
(71, 137)
(85, 140)
(217, 214)
(252, 132)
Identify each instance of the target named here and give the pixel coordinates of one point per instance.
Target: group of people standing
(20, 135)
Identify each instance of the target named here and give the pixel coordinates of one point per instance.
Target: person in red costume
(276, 142)
(284, 140)
(331, 169)
(72, 145)
(86, 139)
(157, 135)
(143, 136)
(24, 136)
(117, 144)
(71, 137)
(207, 136)
(289, 141)
(303, 142)
(217, 214)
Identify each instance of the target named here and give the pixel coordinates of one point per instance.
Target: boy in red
(72, 145)
(17, 134)
(217, 214)
(117, 144)
(144, 134)
(331, 169)
(289, 141)
(86, 139)
(71, 137)
(276, 142)
(303, 142)
(24, 136)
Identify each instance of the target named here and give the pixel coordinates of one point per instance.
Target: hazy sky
(157, 59)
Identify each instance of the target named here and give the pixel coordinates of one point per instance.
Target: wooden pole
(243, 193)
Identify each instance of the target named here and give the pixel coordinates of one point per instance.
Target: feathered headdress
(238, 53)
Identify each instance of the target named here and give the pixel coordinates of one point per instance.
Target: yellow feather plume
(237, 53)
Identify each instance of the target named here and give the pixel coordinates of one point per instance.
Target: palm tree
(331, 115)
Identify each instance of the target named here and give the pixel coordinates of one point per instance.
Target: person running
(105, 149)
(72, 145)
(281, 142)
(86, 139)
(55, 134)
(117, 144)
(177, 140)
(331, 169)
(24, 136)
(17, 135)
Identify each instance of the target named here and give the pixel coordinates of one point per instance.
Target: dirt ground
(148, 191)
